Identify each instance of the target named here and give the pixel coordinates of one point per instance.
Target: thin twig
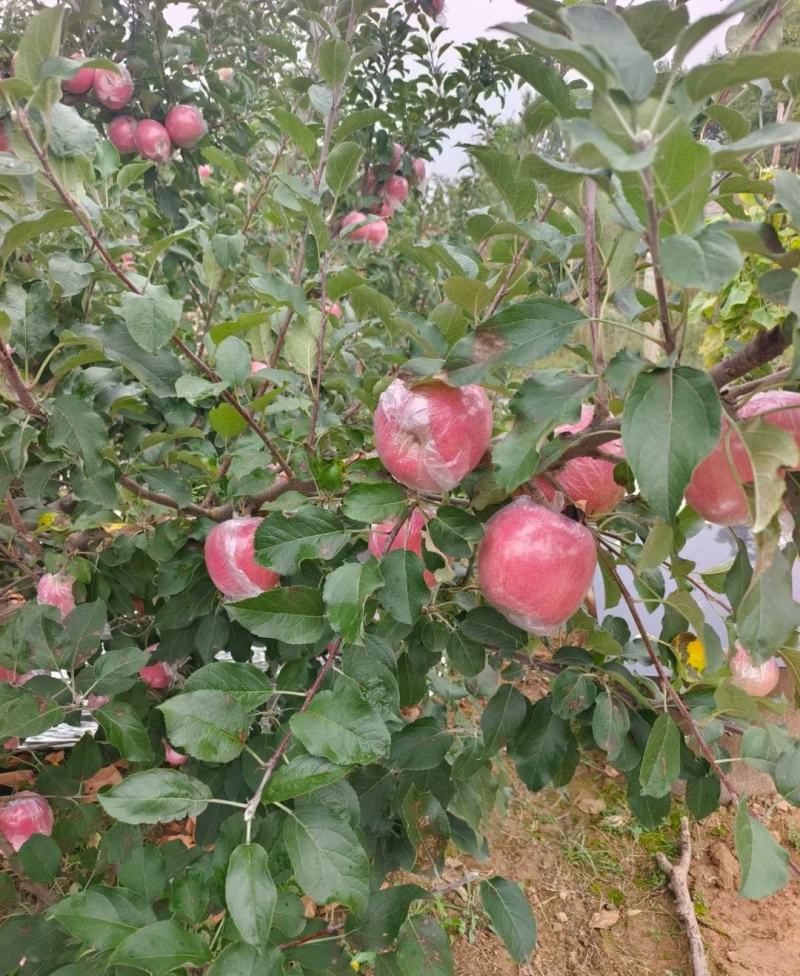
(678, 875)
(19, 526)
(25, 398)
(655, 255)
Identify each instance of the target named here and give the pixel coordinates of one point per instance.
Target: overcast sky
(466, 20)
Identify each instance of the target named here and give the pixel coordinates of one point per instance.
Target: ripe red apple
(157, 676)
(55, 590)
(756, 679)
(153, 141)
(225, 75)
(715, 490)
(363, 233)
(122, 132)
(172, 757)
(97, 701)
(395, 190)
(588, 482)
(256, 366)
(385, 210)
(231, 563)
(204, 172)
(128, 261)
(23, 815)
(185, 125)
(113, 90)
(378, 233)
(535, 566)
(334, 309)
(82, 81)
(398, 151)
(778, 407)
(419, 169)
(431, 435)
(5, 145)
(8, 676)
(409, 537)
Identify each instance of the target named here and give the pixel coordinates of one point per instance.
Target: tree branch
(655, 255)
(24, 396)
(678, 875)
(760, 350)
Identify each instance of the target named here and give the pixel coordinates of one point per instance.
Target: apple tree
(303, 473)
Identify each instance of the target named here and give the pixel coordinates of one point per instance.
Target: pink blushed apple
(778, 407)
(715, 491)
(398, 151)
(204, 172)
(152, 141)
(419, 169)
(231, 563)
(82, 81)
(121, 132)
(535, 566)
(430, 436)
(225, 75)
(256, 366)
(23, 815)
(759, 680)
(55, 590)
(362, 233)
(113, 89)
(395, 190)
(378, 233)
(185, 125)
(157, 676)
(409, 537)
(172, 757)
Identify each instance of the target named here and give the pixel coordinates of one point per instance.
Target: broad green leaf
(39, 43)
(245, 683)
(427, 827)
(705, 79)
(656, 24)
(610, 723)
(657, 546)
(360, 119)
(763, 863)
(40, 858)
(405, 591)
(772, 451)
(503, 717)
(672, 420)
(250, 893)
(131, 173)
(161, 948)
(544, 79)
(240, 959)
(151, 318)
(144, 872)
(302, 775)
(374, 503)
(342, 726)
(379, 924)
(328, 860)
(541, 746)
(775, 134)
(708, 260)
(26, 229)
(293, 614)
(209, 725)
(226, 420)
(334, 61)
(787, 774)
(155, 796)
(77, 428)
(661, 762)
(511, 916)
(703, 795)
(282, 542)
(787, 193)
(423, 947)
(650, 811)
(490, 628)
(346, 592)
(23, 714)
(94, 918)
(518, 192)
(342, 166)
(768, 613)
(563, 49)
(572, 693)
(454, 531)
(124, 731)
(70, 134)
(419, 745)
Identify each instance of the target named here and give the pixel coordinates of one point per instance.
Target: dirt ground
(602, 909)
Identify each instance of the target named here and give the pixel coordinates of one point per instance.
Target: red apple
(157, 676)
(55, 590)
(225, 75)
(82, 81)
(756, 679)
(378, 232)
(588, 482)
(778, 407)
(385, 211)
(535, 565)
(128, 261)
(715, 490)
(409, 537)
(172, 757)
(152, 140)
(230, 560)
(97, 701)
(334, 309)
(5, 145)
(113, 90)
(395, 190)
(369, 182)
(431, 435)
(11, 677)
(256, 366)
(185, 125)
(121, 132)
(419, 169)
(398, 151)
(363, 233)
(23, 815)
(204, 172)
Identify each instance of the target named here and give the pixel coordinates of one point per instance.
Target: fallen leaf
(309, 907)
(55, 758)
(20, 777)
(604, 919)
(107, 776)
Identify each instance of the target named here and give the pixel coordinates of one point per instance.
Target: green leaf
(250, 893)
(703, 795)
(77, 428)
(151, 318)
(293, 614)
(374, 503)
(302, 775)
(342, 166)
(131, 173)
(245, 683)
(672, 420)
(518, 192)
(787, 774)
(40, 858)
(544, 79)
(733, 122)
(768, 613)
(787, 193)
(377, 927)
(405, 591)
(573, 693)
(99, 917)
(655, 24)
(282, 542)
(26, 229)
(419, 745)
(346, 592)
(226, 420)
(124, 731)
(661, 763)
(227, 250)
(70, 134)
(541, 746)
(610, 724)
(705, 79)
(423, 947)
(240, 959)
(144, 872)
(334, 61)
(466, 656)
(39, 43)
(455, 531)
(772, 451)
(209, 725)
(71, 276)
(503, 717)
(607, 32)
(486, 626)
(515, 337)
(359, 119)
(763, 863)
(161, 948)
(232, 360)
(562, 49)
(511, 916)
(709, 260)
(328, 860)
(548, 398)
(342, 726)
(155, 796)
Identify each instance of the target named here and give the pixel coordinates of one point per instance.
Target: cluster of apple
(183, 126)
(391, 194)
